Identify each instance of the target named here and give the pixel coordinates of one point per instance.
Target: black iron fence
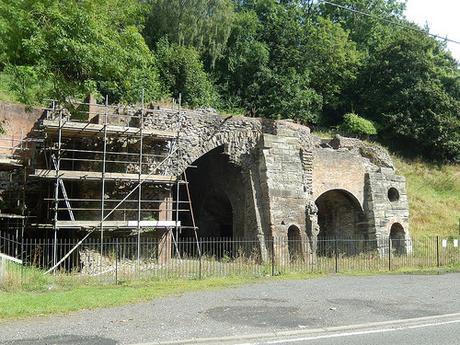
(128, 258)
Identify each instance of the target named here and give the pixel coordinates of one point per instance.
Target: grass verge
(67, 298)
(434, 197)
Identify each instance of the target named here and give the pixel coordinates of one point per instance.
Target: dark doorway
(215, 217)
(398, 239)
(340, 218)
(294, 243)
(216, 188)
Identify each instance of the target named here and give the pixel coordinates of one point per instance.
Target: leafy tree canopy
(300, 59)
(75, 47)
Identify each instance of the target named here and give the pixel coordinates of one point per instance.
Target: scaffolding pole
(104, 153)
(144, 179)
(56, 187)
(177, 182)
(139, 200)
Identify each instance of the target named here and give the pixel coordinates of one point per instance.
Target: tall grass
(434, 197)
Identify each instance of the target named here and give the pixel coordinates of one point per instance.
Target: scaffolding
(13, 171)
(102, 166)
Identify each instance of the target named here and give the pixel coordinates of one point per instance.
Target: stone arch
(217, 191)
(294, 243)
(340, 216)
(236, 143)
(398, 238)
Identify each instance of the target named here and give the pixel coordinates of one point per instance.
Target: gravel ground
(250, 309)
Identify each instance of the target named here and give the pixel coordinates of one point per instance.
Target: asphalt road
(396, 309)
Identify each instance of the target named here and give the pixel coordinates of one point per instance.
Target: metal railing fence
(122, 259)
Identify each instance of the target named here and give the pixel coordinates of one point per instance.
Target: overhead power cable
(388, 20)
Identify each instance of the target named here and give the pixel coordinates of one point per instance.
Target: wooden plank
(116, 224)
(95, 175)
(72, 128)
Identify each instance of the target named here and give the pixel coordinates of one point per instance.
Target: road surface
(386, 309)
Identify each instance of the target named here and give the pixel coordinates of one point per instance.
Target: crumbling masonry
(254, 178)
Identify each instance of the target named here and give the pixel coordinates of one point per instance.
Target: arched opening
(340, 217)
(398, 239)
(217, 196)
(294, 243)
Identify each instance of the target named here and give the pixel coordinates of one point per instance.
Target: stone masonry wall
(382, 211)
(282, 170)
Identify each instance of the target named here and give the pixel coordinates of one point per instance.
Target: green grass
(67, 295)
(19, 304)
(434, 197)
(62, 295)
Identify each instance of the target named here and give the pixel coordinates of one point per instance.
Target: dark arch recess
(398, 239)
(294, 243)
(341, 217)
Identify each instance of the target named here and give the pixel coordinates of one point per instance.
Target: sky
(442, 17)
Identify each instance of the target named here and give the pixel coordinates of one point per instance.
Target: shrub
(355, 125)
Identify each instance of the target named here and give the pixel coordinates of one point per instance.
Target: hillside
(434, 197)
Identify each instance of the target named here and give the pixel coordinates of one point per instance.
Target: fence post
(22, 259)
(336, 255)
(273, 256)
(438, 263)
(389, 253)
(116, 261)
(199, 261)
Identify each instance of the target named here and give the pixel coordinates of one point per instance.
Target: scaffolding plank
(95, 175)
(9, 163)
(116, 224)
(73, 128)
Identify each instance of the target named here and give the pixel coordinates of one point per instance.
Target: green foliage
(26, 83)
(202, 24)
(182, 71)
(411, 88)
(77, 47)
(286, 95)
(332, 58)
(357, 126)
(304, 60)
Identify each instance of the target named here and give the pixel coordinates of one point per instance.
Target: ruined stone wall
(200, 132)
(17, 121)
(386, 203)
(278, 171)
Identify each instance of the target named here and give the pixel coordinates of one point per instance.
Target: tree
(355, 125)
(202, 24)
(79, 47)
(238, 71)
(369, 32)
(411, 88)
(332, 59)
(182, 71)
